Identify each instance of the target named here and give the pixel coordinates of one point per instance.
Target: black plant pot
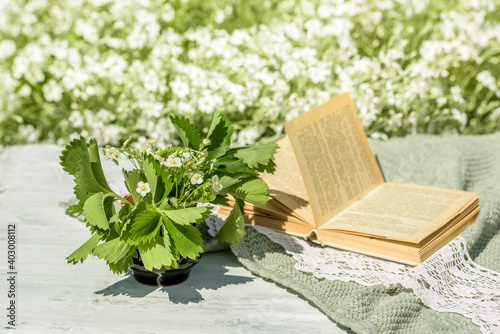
(164, 276)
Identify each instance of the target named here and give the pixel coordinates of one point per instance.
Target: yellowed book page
(286, 184)
(402, 212)
(335, 159)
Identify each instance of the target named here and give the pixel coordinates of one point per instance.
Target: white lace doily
(449, 281)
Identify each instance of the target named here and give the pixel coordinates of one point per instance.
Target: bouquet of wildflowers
(157, 220)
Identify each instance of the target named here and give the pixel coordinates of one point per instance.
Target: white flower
(206, 141)
(25, 90)
(76, 119)
(74, 78)
(197, 177)
(216, 184)
(151, 81)
(441, 100)
(111, 153)
(7, 48)
(143, 188)
(460, 117)
(487, 79)
(87, 31)
(143, 145)
(179, 88)
(173, 161)
(186, 156)
(168, 13)
(248, 136)
(209, 102)
(52, 91)
(290, 70)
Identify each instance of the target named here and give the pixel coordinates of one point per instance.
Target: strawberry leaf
(96, 212)
(84, 250)
(219, 135)
(112, 251)
(145, 226)
(185, 239)
(188, 133)
(233, 229)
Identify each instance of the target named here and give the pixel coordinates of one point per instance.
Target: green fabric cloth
(458, 162)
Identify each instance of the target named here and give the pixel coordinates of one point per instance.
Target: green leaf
(95, 211)
(257, 157)
(167, 242)
(95, 162)
(233, 229)
(150, 172)
(79, 194)
(185, 239)
(132, 178)
(220, 200)
(188, 215)
(157, 255)
(141, 206)
(158, 177)
(188, 133)
(228, 181)
(219, 134)
(122, 265)
(165, 235)
(203, 194)
(112, 251)
(109, 206)
(73, 153)
(84, 250)
(167, 182)
(231, 164)
(82, 161)
(145, 226)
(77, 208)
(253, 191)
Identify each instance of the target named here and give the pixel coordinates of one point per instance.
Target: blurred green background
(111, 69)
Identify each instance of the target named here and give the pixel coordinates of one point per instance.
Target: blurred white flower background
(111, 69)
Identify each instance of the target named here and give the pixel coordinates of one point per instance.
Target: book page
(286, 184)
(335, 159)
(403, 212)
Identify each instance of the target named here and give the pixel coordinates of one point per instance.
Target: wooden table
(220, 296)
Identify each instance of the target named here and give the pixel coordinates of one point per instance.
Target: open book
(329, 188)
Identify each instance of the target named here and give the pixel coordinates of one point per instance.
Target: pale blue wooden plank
(221, 296)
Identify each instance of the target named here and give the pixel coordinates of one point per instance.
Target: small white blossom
(52, 91)
(197, 177)
(460, 117)
(206, 104)
(143, 145)
(76, 119)
(248, 136)
(143, 188)
(7, 48)
(179, 88)
(216, 184)
(111, 153)
(173, 161)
